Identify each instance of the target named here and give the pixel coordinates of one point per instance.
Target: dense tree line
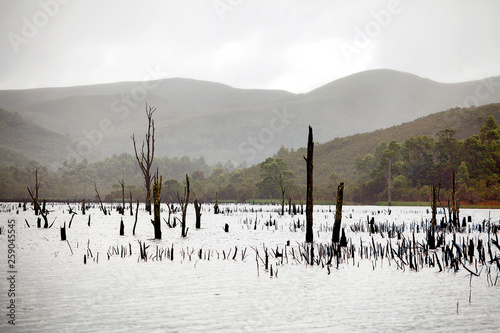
(416, 164)
(421, 162)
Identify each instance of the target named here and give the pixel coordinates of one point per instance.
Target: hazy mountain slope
(197, 118)
(21, 141)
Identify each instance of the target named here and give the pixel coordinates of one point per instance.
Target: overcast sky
(295, 45)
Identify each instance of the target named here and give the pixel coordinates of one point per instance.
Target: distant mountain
(222, 123)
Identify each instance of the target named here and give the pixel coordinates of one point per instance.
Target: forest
(416, 164)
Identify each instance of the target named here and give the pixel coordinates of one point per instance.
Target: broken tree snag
(197, 210)
(100, 202)
(156, 200)
(63, 232)
(145, 158)
(434, 206)
(44, 213)
(338, 214)
(216, 206)
(309, 192)
(122, 228)
(83, 206)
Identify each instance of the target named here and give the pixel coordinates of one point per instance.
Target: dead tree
(183, 202)
(145, 158)
(156, 200)
(197, 209)
(338, 214)
(100, 201)
(309, 192)
(283, 190)
(43, 212)
(434, 206)
(35, 197)
(122, 184)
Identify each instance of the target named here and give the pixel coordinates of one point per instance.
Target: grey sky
(295, 45)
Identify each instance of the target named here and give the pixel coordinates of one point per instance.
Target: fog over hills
(223, 123)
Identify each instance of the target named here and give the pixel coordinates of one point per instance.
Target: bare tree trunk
(44, 214)
(434, 206)
(37, 186)
(338, 214)
(197, 209)
(309, 193)
(156, 199)
(99, 198)
(122, 184)
(145, 158)
(184, 203)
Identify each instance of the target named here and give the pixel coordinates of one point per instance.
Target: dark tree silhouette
(145, 158)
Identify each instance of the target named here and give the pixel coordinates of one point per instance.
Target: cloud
(292, 45)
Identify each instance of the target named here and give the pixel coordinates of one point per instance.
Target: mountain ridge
(202, 118)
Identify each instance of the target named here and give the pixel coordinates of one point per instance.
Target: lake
(214, 280)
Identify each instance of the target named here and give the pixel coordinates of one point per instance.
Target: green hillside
(339, 154)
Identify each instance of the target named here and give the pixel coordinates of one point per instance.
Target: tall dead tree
(156, 200)
(183, 202)
(42, 211)
(309, 191)
(197, 210)
(338, 214)
(35, 197)
(146, 156)
(434, 206)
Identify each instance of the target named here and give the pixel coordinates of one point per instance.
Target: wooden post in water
(338, 214)
(309, 191)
